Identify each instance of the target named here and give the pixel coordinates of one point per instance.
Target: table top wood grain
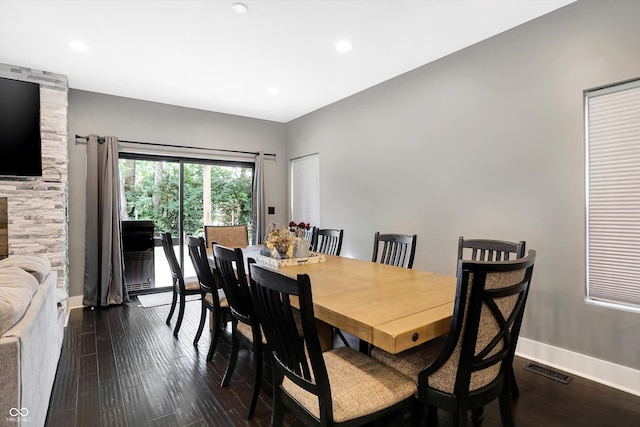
(390, 307)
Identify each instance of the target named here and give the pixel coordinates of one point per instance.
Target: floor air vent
(549, 373)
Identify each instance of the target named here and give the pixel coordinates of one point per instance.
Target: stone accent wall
(4, 229)
(37, 207)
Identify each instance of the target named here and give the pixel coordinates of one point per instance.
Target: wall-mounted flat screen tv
(20, 143)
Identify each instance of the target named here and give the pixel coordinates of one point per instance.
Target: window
(180, 196)
(305, 189)
(613, 195)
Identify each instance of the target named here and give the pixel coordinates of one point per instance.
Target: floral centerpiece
(298, 229)
(280, 242)
(286, 243)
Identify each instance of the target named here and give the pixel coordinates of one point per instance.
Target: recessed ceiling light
(343, 46)
(239, 8)
(78, 45)
(273, 90)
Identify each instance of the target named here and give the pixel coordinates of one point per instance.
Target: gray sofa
(31, 332)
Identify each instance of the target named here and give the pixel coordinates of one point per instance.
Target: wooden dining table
(392, 308)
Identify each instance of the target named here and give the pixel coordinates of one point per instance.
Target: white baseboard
(75, 302)
(601, 371)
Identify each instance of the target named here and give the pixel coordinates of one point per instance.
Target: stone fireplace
(36, 208)
(4, 230)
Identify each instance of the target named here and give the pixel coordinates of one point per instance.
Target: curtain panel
(259, 210)
(104, 264)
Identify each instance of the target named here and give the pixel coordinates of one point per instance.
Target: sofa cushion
(39, 266)
(16, 289)
(15, 277)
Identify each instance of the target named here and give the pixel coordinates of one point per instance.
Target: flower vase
(302, 248)
(265, 251)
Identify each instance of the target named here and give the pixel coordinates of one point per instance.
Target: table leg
(325, 334)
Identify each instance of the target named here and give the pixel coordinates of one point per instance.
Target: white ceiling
(199, 54)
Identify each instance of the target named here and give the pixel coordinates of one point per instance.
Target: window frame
(590, 298)
(308, 181)
(181, 160)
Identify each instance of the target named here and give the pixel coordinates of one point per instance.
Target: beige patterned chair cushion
(221, 296)
(359, 386)
(191, 283)
(410, 362)
(231, 236)
(247, 332)
(445, 378)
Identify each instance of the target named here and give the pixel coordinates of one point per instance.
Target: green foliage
(149, 198)
(231, 190)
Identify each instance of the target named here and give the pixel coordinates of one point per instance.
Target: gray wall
(135, 120)
(487, 143)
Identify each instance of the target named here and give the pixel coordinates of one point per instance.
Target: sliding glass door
(179, 196)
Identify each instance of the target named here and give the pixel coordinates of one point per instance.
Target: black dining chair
(489, 250)
(492, 250)
(328, 241)
(310, 236)
(472, 365)
(214, 300)
(230, 265)
(394, 249)
(338, 387)
(231, 236)
(182, 287)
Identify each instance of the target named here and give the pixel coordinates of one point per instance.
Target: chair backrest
(299, 358)
(328, 241)
(198, 255)
(489, 250)
(310, 235)
(230, 266)
(397, 249)
(488, 310)
(174, 266)
(231, 236)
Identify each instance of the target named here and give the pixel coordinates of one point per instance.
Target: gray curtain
(104, 267)
(259, 209)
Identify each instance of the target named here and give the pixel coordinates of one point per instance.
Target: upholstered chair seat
(472, 365)
(337, 387)
(412, 361)
(221, 296)
(492, 250)
(247, 332)
(359, 386)
(230, 236)
(191, 284)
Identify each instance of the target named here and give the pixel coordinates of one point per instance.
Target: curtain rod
(101, 140)
(304, 156)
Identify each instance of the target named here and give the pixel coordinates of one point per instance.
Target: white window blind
(305, 189)
(613, 195)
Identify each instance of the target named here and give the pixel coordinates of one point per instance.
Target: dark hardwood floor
(122, 367)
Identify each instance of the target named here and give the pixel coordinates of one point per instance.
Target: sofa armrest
(32, 350)
(9, 376)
